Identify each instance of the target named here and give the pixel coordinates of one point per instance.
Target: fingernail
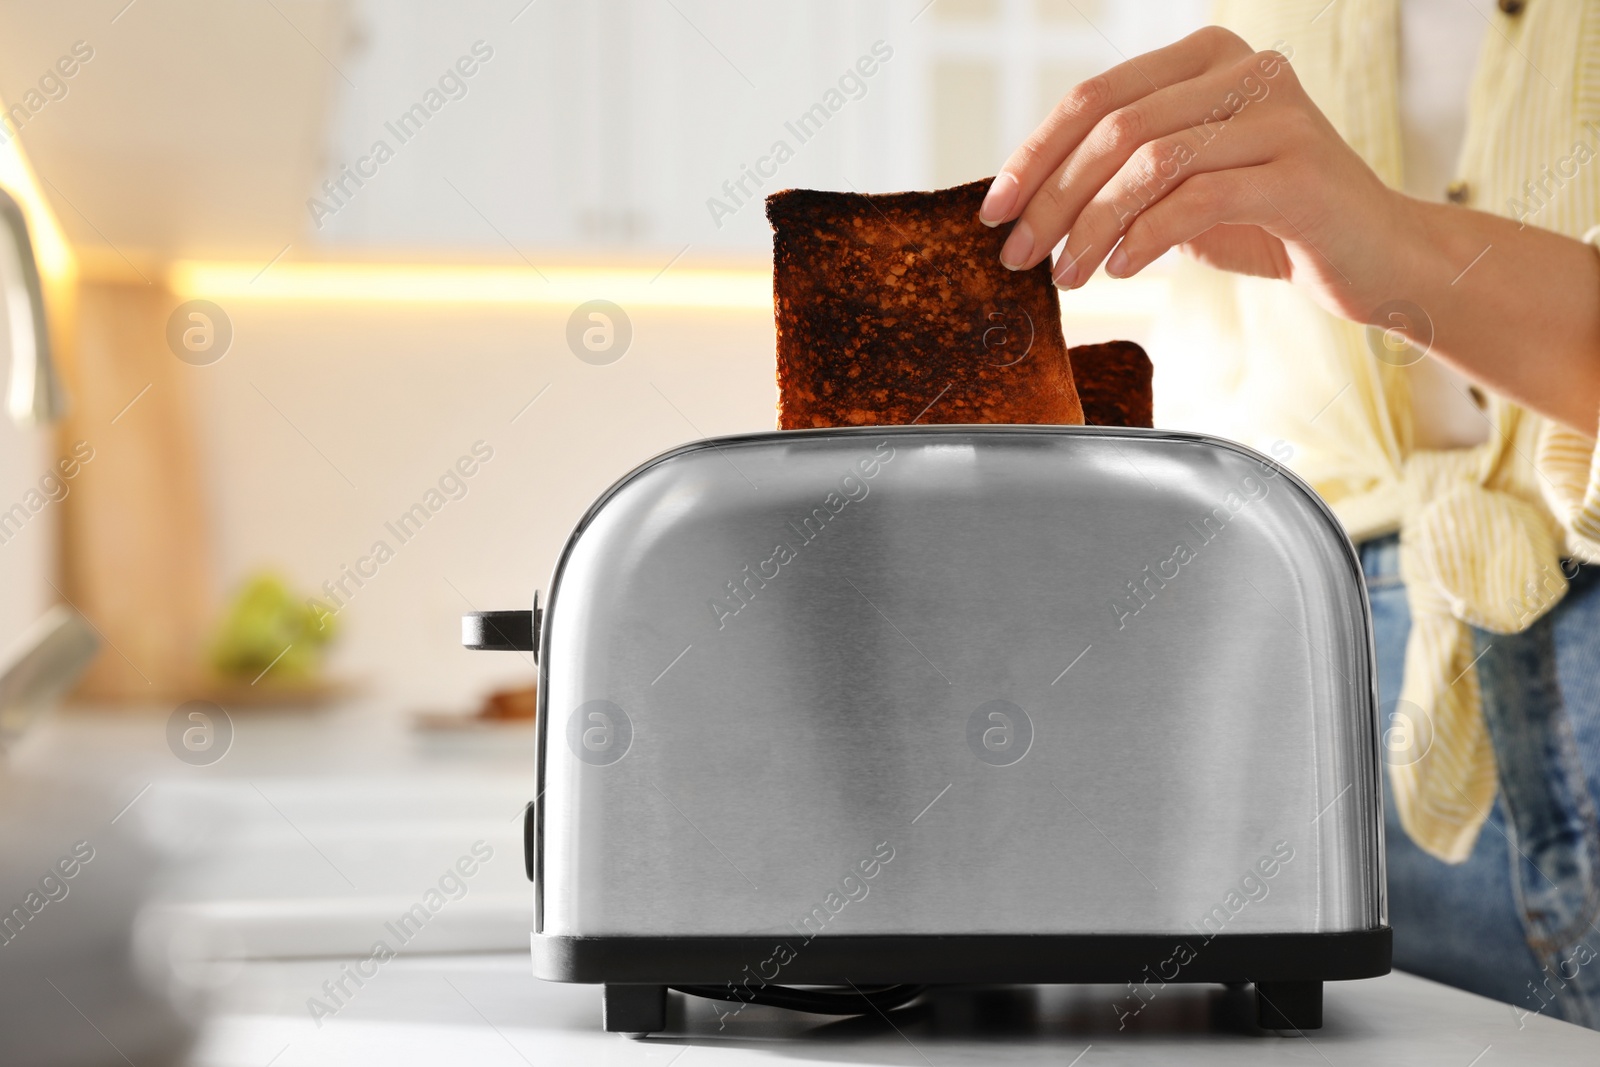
(1018, 247)
(1066, 274)
(999, 200)
(1117, 264)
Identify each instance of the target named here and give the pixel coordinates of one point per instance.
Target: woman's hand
(1208, 146)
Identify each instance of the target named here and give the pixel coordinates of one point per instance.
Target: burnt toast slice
(894, 309)
(1114, 384)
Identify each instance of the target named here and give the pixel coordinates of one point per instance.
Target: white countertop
(488, 1009)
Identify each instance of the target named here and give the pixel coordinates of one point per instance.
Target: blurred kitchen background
(373, 343)
(278, 339)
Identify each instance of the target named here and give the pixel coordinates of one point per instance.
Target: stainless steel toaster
(878, 708)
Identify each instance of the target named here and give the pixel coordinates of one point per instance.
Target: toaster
(826, 717)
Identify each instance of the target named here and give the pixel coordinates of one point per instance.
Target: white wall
(27, 558)
(392, 398)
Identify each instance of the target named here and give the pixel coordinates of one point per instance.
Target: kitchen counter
(488, 1009)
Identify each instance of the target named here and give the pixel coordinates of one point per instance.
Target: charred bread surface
(1114, 384)
(894, 309)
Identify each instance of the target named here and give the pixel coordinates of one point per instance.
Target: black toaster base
(1287, 969)
(949, 959)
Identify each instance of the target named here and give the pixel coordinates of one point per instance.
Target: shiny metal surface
(959, 680)
(35, 395)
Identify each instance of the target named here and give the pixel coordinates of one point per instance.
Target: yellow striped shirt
(1483, 529)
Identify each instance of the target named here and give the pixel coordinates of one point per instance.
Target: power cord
(829, 1000)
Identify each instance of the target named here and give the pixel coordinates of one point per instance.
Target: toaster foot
(1287, 1005)
(635, 1010)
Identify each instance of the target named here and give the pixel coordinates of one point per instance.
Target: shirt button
(1512, 7)
(1457, 192)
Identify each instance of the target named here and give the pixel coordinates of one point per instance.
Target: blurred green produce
(267, 621)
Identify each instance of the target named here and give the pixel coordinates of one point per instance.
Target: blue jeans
(1519, 920)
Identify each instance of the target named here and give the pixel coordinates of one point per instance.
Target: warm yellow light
(561, 286)
(56, 262)
(1104, 297)
(723, 288)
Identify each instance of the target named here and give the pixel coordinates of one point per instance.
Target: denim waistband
(1380, 558)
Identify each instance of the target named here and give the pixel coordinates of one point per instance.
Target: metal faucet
(35, 397)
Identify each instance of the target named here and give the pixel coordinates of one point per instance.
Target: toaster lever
(530, 841)
(500, 631)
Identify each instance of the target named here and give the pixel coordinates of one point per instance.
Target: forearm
(1514, 307)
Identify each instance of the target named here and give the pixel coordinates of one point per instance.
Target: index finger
(1089, 102)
